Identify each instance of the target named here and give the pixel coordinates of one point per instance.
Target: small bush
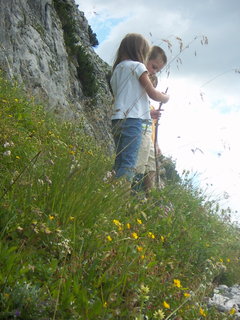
(92, 37)
(63, 10)
(86, 72)
(85, 67)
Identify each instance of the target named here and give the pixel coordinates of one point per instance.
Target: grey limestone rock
(33, 50)
(225, 298)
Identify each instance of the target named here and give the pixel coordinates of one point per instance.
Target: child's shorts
(146, 154)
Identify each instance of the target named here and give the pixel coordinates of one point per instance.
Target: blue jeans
(127, 134)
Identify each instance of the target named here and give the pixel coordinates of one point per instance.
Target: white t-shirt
(130, 98)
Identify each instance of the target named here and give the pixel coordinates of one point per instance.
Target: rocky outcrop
(47, 46)
(227, 299)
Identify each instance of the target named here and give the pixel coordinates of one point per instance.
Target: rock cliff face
(47, 46)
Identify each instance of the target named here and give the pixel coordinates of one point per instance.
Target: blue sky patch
(103, 29)
(223, 107)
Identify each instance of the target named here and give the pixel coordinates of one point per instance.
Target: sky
(199, 127)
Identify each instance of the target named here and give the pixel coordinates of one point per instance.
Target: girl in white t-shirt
(131, 88)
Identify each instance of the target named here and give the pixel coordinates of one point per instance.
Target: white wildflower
(142, 317)
(159, 314)
(7, 153)
(48, 180)
(40, 181)
(109, 175)
(144, 289)
(6, 144)
(51, 162)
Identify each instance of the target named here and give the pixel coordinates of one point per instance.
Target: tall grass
(76, 245)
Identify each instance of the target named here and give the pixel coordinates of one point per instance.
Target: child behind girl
(149, 149)
(131, 88)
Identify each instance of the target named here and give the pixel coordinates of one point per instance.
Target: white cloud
(202, 140)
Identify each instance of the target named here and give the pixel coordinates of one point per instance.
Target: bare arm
(151, 91)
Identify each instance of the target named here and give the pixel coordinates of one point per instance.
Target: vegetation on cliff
(77, 52)
(75, 245)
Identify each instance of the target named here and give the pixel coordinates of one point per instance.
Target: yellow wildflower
(228, 260)
(134, 235)
(71, 218)
(16, 100)
(90, 152)
(151, 235)
(117, 222)
(142, 256)
(166, 305)
(177, 283)
(128, 226)
(109, 238)
(51, 217)
(139, 221)
(50, 133)
(17, 157)
(202, 312)
(105, 304)
(139, 249)
(187, 295)
(162, 238)
(232, 311)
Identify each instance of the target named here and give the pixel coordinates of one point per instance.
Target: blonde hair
(134, 47)
(155, 52)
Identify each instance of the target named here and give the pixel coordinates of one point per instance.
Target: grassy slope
(75, 245)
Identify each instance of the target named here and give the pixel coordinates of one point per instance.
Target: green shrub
(86, 72)
(63, 10)
(92, 37)
(85, 67)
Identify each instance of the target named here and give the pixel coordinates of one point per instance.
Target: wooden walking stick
(155, 146)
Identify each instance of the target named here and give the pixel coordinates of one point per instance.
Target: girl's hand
(155, 114)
